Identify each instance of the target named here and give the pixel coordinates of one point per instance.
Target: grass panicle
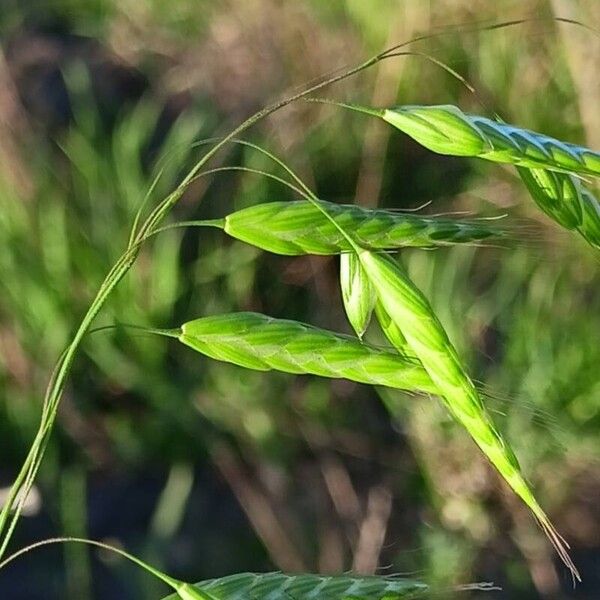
(300, 227)
(140, 232)
(259, 342)
(262, 343)
(358, 294)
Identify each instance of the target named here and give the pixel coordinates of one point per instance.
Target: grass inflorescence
(421, 357)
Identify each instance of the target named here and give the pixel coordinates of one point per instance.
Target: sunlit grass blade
(412, 313)
(358, 294)
(279, 586)
(299, 227)
(263, 343)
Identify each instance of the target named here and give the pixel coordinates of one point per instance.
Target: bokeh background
(204, 469)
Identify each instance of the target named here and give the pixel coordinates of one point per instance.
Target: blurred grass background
(204, 469)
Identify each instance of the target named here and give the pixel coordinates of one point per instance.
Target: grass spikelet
(390, 329)
(262, 343)
(446, 129)
(590, 223)
(358, 294)
(413, 315)
(566, 200)
(300, 227)
(557, 194)
(279, 586)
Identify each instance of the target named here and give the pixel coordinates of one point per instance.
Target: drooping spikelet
(358, 294)
(446, 129)
(295, 228)
(565, 199)
(411, 312)
(281, 586)
(263, 343)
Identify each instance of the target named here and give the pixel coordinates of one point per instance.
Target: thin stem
(175, 584)
(30, 467)
(163, 208)
(368, 110)
(32, 462)
(254, 171)
(217, 223)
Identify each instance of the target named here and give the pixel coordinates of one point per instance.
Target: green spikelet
(279, 586)
(590, 223)
(413, 315)
(358, 294)
(390, 329)
(557, 194)
(446, 129)
(566, 200)
(295, 228)
(262, 343)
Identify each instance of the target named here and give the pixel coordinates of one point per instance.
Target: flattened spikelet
(295, 228)
(446, 129)
(565, 199)
(390, 329)
(411, 312)
(557, 194)
(590, 223)
(358, 295)
(262, 343)
(279, 586)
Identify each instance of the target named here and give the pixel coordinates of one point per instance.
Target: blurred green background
(204, 469)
